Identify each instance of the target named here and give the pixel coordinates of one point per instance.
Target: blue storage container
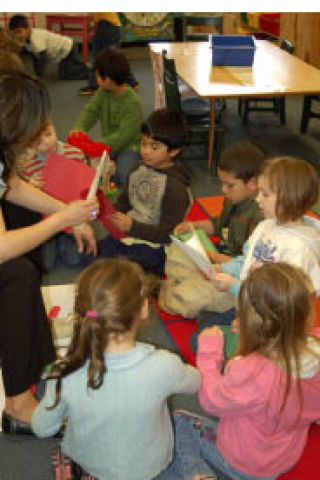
(232, 50)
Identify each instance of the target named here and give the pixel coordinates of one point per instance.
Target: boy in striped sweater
(34, 158)
(60, 248)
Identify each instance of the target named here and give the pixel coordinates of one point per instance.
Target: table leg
(211, 135)
(85, 42)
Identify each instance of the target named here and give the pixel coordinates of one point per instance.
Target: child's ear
(174, 152)
(252, 184)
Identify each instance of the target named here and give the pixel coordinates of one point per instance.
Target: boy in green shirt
(238, 171)
(118, 108)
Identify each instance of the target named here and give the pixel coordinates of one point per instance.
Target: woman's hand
(78, 212)
(84, 235)
(223, 281)
(183, 227)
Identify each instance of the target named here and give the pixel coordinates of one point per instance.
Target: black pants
(72, 67)
(26, 345)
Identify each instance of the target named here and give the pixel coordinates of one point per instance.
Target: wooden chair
(277, 105)
(212, 23)
(307, 112)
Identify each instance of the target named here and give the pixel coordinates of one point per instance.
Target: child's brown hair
(243, 160)
(295, 183)
(112, 63)
(276, 308)
(109, 298)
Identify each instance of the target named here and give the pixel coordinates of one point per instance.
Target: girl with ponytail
(111, 388)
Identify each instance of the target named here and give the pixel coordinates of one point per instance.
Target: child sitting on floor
(30, 164)
(43, 46)
(156, 196)
(269, 392)
(113, 390)
(288, 188)
(118, 108)
(185, 290)
(238, 171)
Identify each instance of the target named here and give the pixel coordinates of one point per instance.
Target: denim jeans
(125, 162)
(196, 453)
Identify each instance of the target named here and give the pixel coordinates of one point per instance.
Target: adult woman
(25, 340)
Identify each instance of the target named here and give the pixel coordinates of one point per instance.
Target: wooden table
(274, 73)
(73, 25)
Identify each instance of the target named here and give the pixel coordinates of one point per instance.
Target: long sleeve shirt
(120, 117)
(270, 242)
(156, 200)
(123, 429)
(252, 435)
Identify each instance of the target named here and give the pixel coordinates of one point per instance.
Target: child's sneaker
(87, 90)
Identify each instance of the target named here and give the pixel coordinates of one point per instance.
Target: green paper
(230, 340)
(203, 237)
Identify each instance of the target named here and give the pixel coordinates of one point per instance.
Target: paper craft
(100, 171)
(66, 179)
(107, 209)
(59, 304)
(195, 251)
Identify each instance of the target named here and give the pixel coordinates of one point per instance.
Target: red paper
(66, 179)
(54, 312)
(105, 210)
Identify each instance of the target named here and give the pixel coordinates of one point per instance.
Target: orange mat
(211, 205)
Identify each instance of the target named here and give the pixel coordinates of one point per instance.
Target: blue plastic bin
(232, 50)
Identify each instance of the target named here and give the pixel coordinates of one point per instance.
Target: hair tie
(91, 314)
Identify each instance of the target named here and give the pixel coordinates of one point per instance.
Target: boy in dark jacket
(156, 196)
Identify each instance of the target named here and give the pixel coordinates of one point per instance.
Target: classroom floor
(28, 458)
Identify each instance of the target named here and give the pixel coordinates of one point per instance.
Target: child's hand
(235, 325)
(37, 181)
(122, 221)
(183, 227)
(75, 130)
(215, 330)
(223, 281)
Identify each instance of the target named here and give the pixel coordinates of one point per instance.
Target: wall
(303, 31)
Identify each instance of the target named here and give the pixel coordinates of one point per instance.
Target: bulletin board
(146, 26)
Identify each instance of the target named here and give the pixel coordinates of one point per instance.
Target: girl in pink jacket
(269, 392)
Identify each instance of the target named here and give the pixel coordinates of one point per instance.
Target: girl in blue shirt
(111, 389)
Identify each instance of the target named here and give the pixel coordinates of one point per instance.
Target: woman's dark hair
(25, 106)
(8, 42)
(109, 297)
(114, 64)
(166, 126)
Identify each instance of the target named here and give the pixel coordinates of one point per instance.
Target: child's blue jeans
(196, 452)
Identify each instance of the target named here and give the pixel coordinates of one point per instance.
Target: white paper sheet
(195, 252)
